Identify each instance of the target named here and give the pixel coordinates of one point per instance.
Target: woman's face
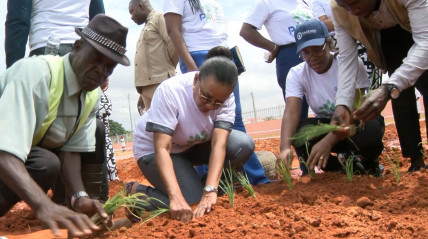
(210, 94)
(317, 57)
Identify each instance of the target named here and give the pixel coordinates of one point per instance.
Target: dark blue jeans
(253, 168)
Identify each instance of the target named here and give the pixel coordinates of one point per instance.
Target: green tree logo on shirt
(327, 109)
(201, 137)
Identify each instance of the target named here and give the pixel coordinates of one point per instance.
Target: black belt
(288, 45)
(63, 49)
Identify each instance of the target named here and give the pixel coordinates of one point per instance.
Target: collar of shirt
(73, 85)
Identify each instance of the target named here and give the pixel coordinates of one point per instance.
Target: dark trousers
(396, 43)
(43, 166)
(366, 143)
(239, 147)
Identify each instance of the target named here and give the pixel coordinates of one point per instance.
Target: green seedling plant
(245, 182)
(395, 167)
(226, 184)
(308, 132)
(285, 171)
(311, 171)
(349, 168)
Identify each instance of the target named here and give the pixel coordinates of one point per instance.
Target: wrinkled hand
(52, 216)
(320, 154)
(341, 117)
(273, 54)
(89, 207)
(205, 205)
(286, 156)
(373, 104)
(180, 210)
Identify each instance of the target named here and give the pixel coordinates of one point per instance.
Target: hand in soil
(341, 117)
(205, 205)
(53, 216)
(373, 104)
(90, 207)
(180, 210)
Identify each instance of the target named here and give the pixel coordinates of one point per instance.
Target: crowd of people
(56, 110)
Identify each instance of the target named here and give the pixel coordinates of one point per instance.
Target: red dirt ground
(328, 206)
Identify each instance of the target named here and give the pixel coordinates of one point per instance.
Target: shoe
(132, 213)
(414, 168)
(377, 171)
(356, 163)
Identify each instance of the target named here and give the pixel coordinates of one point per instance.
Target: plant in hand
(308, 132)
(226, 184)
(245, 182)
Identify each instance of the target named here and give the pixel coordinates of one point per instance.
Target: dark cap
(310, 33)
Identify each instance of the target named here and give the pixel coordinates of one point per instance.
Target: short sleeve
(318, 9)
(173, 6)
(24, 95)
(163, 111)
(293, 84)
(258, 14)
(227, 112)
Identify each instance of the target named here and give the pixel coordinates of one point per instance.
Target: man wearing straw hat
(51, 103)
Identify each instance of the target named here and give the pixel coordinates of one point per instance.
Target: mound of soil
(328, 206)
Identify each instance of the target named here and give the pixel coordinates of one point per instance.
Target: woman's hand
(320, 154)
(205, 205)
(180, 210)
(286, 156)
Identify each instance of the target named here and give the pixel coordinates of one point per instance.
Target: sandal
(131, 213)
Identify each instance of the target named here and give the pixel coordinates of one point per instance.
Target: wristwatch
(77, 196)
(394, 92)
(210, 188)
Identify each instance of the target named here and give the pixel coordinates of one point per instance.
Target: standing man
(395, 33)
(155, 58)
(51, 104)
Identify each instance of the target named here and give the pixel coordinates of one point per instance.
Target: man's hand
(273, 53)
(206, 203)
(89, 207)
(320, 154)
(341, 117)
(286, 156)
(373, 104)
(180, 210)
(53, 215)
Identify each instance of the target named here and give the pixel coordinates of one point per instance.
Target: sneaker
(377, 171)
(132, 213)
(357, 165)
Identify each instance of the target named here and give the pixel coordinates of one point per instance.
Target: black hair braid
(196, 6)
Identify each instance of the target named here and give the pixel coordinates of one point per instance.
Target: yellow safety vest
(55, 93)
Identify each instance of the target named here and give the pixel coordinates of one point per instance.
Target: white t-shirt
(279, 17)
(174, 107)
(320, 89)
(322, 8)
(201, 31)
(57, 18)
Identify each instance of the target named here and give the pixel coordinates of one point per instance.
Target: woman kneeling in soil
(190, 123)
(317, 79)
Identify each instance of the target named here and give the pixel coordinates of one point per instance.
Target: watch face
(395, 93)
(210, 188)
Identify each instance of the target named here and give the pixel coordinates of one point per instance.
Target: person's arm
(172, 53)
(252, 36)
(96, 7)
(320, 152)
(14, 174)
(173, 26)
(290, 122)
(178, 206)
(328, 22)
(215, 167)
(17, 28)
(71, 176)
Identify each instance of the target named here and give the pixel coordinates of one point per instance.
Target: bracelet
(77, 196)
(274, 48)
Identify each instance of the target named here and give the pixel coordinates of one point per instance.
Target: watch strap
(77, 196)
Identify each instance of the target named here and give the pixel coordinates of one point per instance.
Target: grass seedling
(311, 171)
(349, 167)
(226, 184)
(395, 167)
(309, 132)
(245, 182)
(285, 171)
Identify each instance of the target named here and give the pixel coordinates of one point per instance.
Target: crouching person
(48, 107)
(189, 123)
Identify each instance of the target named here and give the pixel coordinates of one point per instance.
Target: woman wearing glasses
(189, 123)
(317, 79)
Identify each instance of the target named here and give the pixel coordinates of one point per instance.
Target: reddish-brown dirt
(328, 206)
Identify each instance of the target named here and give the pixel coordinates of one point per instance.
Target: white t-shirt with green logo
(320, 89)
(174, 108)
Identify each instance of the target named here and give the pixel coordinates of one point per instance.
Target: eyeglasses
(315, 52)
(206, 100)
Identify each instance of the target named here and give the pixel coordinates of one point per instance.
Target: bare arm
(14, 174)
(252, 36)
(290, 122)
(173, 26)
(179, 208)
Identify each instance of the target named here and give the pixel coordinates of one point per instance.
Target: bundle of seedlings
(245, 182)
(226, 184)
(309, 132)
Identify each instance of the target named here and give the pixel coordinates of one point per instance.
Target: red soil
(328, 206)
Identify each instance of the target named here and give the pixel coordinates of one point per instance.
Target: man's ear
(195, 80)
(77, 45)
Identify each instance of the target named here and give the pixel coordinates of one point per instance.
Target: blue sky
(260, 77)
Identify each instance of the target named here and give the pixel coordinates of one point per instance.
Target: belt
(287, 45)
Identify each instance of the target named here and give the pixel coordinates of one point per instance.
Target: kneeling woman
(317, 79)
(190, 123)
